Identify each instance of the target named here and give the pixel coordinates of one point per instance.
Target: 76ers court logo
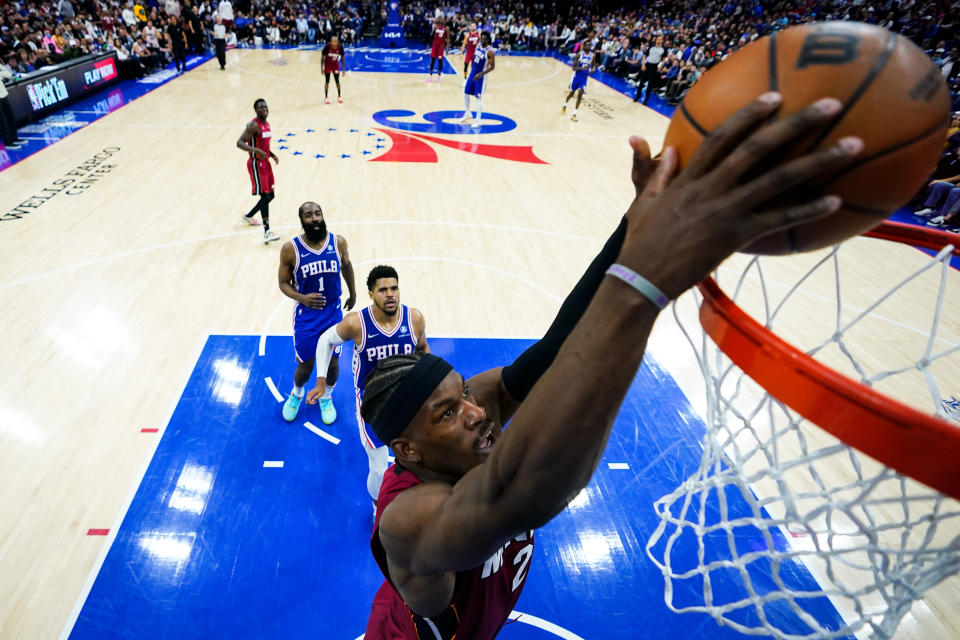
(412, 142)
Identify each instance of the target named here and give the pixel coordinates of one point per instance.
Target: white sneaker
(253, 222)
(936, 222)
(923, 212)
(465, 118)
(269, 236)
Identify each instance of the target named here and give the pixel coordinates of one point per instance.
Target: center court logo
(411, 142)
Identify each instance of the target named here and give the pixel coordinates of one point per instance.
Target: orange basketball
(894, 98)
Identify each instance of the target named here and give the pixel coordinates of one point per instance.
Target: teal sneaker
(327, 411)
(292, 407)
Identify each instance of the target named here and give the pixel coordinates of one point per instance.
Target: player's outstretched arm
(513, 382)
(678, 231)
(350, 328)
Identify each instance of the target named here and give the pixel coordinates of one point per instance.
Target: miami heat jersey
(482, 598)
(318, 271)
(262, 139)
(333, 55)
(378, 344)
(439, 37)
(473, 39)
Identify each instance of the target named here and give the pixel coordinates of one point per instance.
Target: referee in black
(220, 42)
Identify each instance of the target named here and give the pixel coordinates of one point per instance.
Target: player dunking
(583, 65)
(470, 41)
(441, 40)
(453, 536)
(255, 140)
(310, 269)
(385, 328)
(332, 60)
(483, 63)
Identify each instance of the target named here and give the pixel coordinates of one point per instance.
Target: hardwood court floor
(110, 286)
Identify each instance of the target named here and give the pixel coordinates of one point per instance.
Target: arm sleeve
(520, 376)
(328, 340)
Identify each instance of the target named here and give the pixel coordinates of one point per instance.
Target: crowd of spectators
(149, 34)
(666, 45)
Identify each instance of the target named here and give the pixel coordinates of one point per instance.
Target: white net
(784, 530)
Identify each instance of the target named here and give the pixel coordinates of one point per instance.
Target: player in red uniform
(332, 63)
(441, 40)
(470, 41)
(453, 534)
(255, 140)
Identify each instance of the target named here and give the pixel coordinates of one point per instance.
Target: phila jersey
(378, 344)
(317, 271)
(479, 60)
(584, 60)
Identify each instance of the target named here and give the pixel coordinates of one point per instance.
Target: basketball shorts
(579, 81)
(308, 326)
(436, 51)
(261, 176)
(468, 55)
(475, 86)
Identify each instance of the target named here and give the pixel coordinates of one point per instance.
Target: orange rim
(916, 444)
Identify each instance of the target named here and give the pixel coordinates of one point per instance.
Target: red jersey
(262, 139)
(473, 39)
(333, 57)
(482, 598)
(439, 36)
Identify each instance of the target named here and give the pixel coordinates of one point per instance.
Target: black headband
(414, 388)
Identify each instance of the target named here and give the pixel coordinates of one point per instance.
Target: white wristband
(641, 284)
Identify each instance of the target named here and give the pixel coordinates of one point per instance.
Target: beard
(315, 232)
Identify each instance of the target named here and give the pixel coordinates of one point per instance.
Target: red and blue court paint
(247, 526)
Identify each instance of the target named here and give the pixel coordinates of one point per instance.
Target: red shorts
(437, 51)
(331, 68)
(261, 176)
(468, 54)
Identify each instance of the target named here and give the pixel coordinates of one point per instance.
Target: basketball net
(783, 519)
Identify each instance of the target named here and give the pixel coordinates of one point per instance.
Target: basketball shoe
(328, 413)
(250, 220)
(269, 236)
(292, 407)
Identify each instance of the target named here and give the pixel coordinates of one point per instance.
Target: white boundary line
(246, 232)
(262, 348)
(273, 388)
(320, 432)
(108, 543)
(273, 464)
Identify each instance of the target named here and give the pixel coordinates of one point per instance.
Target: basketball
(893, 95)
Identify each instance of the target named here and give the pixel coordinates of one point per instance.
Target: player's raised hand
(314, 394)
(643, 164)
(731, 193)
(314, 301)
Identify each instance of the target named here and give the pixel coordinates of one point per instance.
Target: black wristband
(520, 376)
